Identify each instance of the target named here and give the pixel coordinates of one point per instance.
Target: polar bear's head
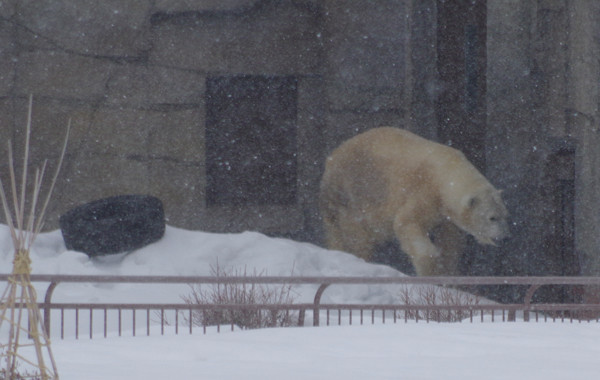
(484, 216)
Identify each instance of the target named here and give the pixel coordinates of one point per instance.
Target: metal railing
(426, 312)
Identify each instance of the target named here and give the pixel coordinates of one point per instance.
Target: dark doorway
(250, 139)
(558, 256)
(559, 241)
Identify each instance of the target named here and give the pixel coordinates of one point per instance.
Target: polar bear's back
(400, 146)
(389, 157)
(375, 173)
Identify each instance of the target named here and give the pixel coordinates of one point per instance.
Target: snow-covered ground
(405, 351)
(516, 350)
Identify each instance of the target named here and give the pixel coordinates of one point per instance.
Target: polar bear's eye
(473, 202)
(494, 219)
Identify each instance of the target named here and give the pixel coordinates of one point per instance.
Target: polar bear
(388, 182)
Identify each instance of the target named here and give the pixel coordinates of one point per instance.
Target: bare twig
(437, 296)
(241, 294)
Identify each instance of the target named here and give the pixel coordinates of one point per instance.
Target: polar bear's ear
(498, 195)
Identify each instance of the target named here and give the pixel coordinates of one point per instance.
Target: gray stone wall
(365, 67)
(131, 75)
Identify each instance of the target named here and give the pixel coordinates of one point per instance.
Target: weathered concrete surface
(131, 75)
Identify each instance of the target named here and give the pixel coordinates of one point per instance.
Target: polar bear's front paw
(434, 253)
(426, 249)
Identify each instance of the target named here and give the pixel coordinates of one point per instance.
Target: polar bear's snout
(502, 234)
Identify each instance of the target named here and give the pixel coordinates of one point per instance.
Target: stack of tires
(113, 225)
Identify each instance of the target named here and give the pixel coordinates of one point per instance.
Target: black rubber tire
(113, 225)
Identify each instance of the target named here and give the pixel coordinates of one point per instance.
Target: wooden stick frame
(19, 299)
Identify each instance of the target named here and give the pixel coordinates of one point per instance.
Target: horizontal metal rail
(425, 311)
(438, 280)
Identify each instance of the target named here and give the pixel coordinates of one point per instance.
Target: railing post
(317, 302)
(47, 301)
(527, 300)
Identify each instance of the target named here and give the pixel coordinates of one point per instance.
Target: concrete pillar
(583, 76)
(512, 152)
(364, 67)
(422, 81)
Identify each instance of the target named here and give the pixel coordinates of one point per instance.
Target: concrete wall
(132, 75)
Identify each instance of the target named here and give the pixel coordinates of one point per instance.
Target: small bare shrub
(437, 296)
(252, 316)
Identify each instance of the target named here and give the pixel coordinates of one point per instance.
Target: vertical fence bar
(133, 320)
(91, 321)
(62, 323)
(105, 322)
(317, 301)
(76, 323)
(147, 322)
(301, 316)
(120, 324)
